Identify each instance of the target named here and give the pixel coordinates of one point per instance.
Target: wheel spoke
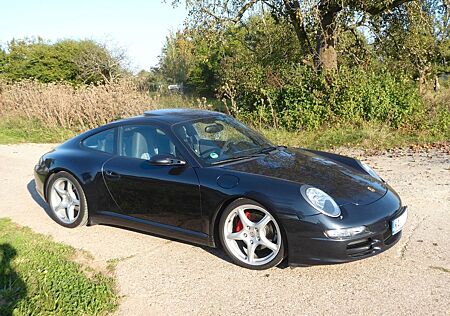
(61, 212)
(251, 252)
(244, 219)
(59, 206)
(267, 243)
(61, 192)
(236, 236)
(263, 222)
(70, 212)
(70, 190)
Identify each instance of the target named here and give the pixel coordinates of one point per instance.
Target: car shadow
(12, 287)
(31, 187)
(218, 252)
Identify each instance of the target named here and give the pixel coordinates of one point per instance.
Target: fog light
(344, 233)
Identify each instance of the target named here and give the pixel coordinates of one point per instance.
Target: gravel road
(158, 276)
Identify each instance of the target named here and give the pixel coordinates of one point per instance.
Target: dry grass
(80, 108)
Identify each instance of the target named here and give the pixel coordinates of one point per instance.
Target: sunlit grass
(14, 130)
(39, 277)
(367, 136)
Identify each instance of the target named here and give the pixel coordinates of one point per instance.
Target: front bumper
(308, 244)
(39, 180)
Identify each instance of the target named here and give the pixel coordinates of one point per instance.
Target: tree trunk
(325, 56)
(326, 59)
(296, 16)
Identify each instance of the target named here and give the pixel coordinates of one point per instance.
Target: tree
(96, 62)
(192, 57)
(415, 38)
(313, 20)
(176, 58)
(82, 61)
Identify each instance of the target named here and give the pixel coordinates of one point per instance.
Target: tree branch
(294, 11)
(244, 9)
(377, 8)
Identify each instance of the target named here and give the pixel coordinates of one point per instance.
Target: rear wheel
(251, 235)
(67, 201)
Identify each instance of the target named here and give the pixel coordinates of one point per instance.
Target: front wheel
(251, 235)
(67, 201)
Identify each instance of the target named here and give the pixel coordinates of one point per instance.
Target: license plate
(399, 222)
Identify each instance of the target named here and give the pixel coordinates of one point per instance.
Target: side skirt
(161, 230)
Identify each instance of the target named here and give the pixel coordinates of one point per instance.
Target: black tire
(83, 214)
(281, 252)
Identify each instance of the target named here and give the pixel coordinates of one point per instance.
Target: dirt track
(158, 276)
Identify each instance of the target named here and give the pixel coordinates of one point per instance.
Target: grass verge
(40, 277)
(364, 136)
(368, 137)
(13, 131)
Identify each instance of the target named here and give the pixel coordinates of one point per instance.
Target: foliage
(307, 100)
(177, 57)
(73, 61)
(77, 108)
(38, 277)
(255, 67)
(192, 58)
(318, 24)
(431, 125)
(415, 38)
(293, 65)
(367, 136)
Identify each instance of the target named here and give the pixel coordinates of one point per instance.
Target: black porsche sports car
(205, 178)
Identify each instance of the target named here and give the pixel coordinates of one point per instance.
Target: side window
(144, 142)
(103, 141)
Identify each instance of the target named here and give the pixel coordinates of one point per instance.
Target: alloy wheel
(252, 235)
(65, 200)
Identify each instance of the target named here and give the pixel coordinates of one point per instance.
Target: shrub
(75, 108)
(304, 100)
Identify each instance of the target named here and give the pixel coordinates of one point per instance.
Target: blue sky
(138, 26)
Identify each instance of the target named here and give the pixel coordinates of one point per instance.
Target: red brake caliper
(239, 224)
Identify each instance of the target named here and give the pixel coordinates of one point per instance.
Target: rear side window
(103, 141)
(144, 142)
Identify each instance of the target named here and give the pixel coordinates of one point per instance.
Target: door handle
(111, 174)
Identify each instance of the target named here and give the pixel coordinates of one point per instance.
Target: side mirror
(166, 160)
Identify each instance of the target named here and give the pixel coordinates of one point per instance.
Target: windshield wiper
(267, 150)
(264, 151)
(234, 159)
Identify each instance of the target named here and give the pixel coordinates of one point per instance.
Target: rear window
(103, 141)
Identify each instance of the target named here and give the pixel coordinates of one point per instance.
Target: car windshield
(221, 139)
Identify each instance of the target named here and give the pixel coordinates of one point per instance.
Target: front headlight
(369, 170)
(320, 201)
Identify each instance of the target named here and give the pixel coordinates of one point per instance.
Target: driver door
(163, 194)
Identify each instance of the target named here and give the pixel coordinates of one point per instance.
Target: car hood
(344, 183)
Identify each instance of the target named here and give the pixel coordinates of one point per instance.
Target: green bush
(306, 100)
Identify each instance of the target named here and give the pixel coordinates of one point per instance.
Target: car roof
(179, 115)
(169, 116)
